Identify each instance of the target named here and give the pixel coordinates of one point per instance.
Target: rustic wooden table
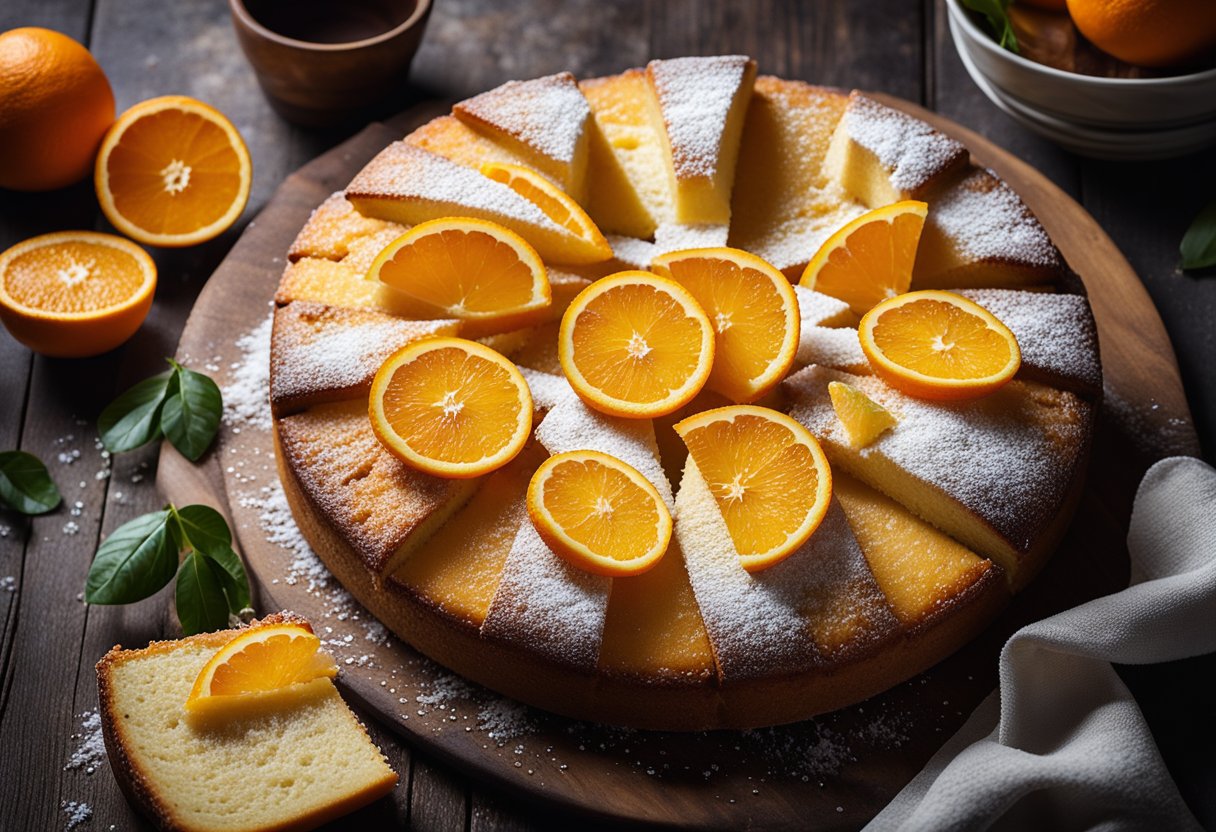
(50, 639)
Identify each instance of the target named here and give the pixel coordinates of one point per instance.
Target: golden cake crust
(788, 194)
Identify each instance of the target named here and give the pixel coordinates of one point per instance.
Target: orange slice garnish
(768, 476)
(599, 513)
(172, 171)
(555, 203)
(473, 270)
(636, 345)
(938, 345)
(450, 407)
(864, 419)
(75, 293)
(870, 259)
(260, 660)
(753, 309)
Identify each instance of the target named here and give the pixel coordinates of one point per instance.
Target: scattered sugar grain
(77, 812)
(90, 751)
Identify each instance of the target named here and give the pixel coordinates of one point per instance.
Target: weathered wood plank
(439, 798)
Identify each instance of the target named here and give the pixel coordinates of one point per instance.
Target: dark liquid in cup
(330, 21)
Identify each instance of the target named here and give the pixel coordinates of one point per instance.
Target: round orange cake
(932, 527)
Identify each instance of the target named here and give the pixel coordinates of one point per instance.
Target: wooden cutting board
(831, 773)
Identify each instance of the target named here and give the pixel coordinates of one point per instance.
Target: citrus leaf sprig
(1198, 247)
(25, 484)
(994, 11)
(182, 405)
(142, 556)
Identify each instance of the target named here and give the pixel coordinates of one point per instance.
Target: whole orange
(55, 105)
(1148, 32)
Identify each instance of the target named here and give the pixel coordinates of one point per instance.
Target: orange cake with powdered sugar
(931, 527)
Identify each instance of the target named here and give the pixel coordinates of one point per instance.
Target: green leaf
(134, 562)
(25, 484)
(998, 21)
(1199, 243)
(201, 605)
(191, 416)
(204, 529)
(133, 419)
(231, 573)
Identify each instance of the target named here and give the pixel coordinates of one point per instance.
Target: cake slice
(635, 206)
(322, 353)
(451, 138)
(334, 283)
(783, 206)
(818, 309)
(375, 503)
(923, 574)
(674, 236)
(1000, 474)
(547, 605)
(700, 104)
(409, 185)
(1056, 334)
(281, 762)
(573, 426)
(979, 233)
(817, 606)
(333, 227)
(543, 120)
(881, 155)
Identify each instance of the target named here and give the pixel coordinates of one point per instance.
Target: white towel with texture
(1062, 744)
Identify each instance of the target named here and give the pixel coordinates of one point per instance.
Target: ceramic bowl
(1111, 117)
(324, 82)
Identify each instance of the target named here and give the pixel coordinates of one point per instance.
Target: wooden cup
(329, 79)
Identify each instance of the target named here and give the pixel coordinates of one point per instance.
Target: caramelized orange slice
(754, 312)
(768, 476)
(556, 204)
(473, 270)
(938, 345)
(450, 407)
(636, 345)
(869, 259)
(172, 171)
(599, 513)
(75, 293)
(259, 660)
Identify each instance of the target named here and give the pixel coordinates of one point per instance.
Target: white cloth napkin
(1062, 744)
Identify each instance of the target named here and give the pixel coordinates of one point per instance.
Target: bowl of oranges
(1103, 79)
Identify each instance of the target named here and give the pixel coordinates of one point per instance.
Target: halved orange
(864, 419)
(938, 345)
(555, 203)
(869, 259)
(474, 270)
(75, 293)
(636, 345)
(599, 513)
(754, 312)
(259, 660)
(768, 476)
(450, 407)
(172, 171)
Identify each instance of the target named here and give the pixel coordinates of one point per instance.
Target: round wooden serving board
(834, 772)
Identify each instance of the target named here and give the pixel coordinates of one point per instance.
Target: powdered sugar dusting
(572, 426)
(836, 348)
(913, 153)
(1007, 457)
(632, 252)
(319, 349)
(1056, 332)
(77, 813)
(674, 236)
(818, 309)
(987, 220)
(695, 97)
(547, 605)
(404, 172)
(548, 390)
(90, 750)
(548, 114)
(247, 394)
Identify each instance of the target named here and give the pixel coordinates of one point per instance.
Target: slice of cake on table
(544, 120)
(1000, 474)
(293, 761)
